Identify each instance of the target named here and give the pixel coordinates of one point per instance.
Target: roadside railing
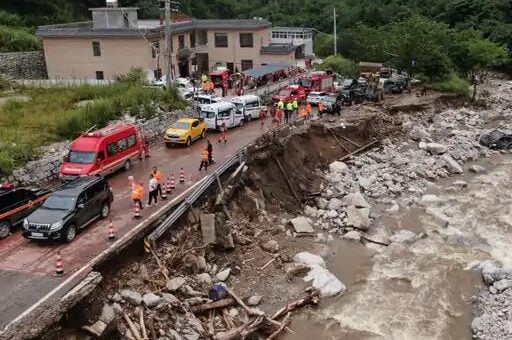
(203, 185)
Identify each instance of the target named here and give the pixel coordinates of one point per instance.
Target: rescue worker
(209, 147)
(295, 107)
(158, 176)
(204, 159)
(280, 104)
(320, 109)
(223, 133)
(309, 109)
(288, 112)
(153, 190)
(204, 78)
(279, 117)
(272, 110)
(145, 146)
(138, 194)
(211, 87)
(302, 112)
(262, 118)
(224, 88)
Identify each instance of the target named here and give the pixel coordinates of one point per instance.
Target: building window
(274, 35)
(246, 40)
(246, 64)
(221, 40)
(99, 75)
(155, 48)
(96, 50)
(193, 39)
(202, 37)
(181, 41)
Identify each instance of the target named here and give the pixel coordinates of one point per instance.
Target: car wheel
(169, 145)
(249, 118)
(189, 141)
(127, 165)
(105, 210)
(5, 228)
(203, 134)
(69, 234)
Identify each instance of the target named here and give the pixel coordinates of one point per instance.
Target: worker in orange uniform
(211, 87)
(204, 159)
(279, 116)
(138, 194)
(262, 119)
(309, 109)
(320, 109)
(223, 133)
(158, 176)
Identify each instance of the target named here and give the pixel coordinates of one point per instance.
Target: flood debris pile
(493, 320)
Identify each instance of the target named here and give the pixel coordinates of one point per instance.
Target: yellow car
(185, 131)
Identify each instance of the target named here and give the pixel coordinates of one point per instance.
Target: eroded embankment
(251, 230)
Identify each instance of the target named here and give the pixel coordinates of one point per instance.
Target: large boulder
(356, 199)
(324, 281)
(302, 224)
(433, 148)
(309, 259)
(131, 296)
(335, 204)
(419, 133)
(358, 218)
(338, 167)
(452, 165)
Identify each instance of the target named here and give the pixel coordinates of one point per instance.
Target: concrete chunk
(302, 224)
(358, 218)
(356, 199)
(339, 167)
(175, 283)
(151, 300)
(131, 296)
(208, 228)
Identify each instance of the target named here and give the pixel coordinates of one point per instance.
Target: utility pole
(168, 42)
(335, 37)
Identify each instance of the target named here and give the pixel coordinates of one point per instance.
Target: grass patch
(453, 84)
(53, 115)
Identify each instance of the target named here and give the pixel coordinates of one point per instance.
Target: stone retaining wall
(23, 65)
(46, 168)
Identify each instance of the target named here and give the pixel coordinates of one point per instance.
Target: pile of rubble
(493, 305)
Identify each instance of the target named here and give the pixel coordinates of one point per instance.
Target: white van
(250, 105)
(224, 112)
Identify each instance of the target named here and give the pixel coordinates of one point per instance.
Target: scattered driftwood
(338, 141)
(213, 305)
(361, 149)
(366, 239)
(132, 327)
(311, 299)
(240, 302)
(268, 263)
(280, 329)
(143, 325)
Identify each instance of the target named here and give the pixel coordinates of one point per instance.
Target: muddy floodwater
(424, 290)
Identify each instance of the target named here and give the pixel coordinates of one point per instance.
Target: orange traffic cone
(136, 211)
(182, 176)
(169, 190)
(173, 183)
(164, 192)
(111, 236)
(59, 268)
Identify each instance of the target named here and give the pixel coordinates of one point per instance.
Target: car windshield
(306, 82)
(285, 93)
(207, 114)
(181, 125)
(55, 202)
(330, 99)
(81, 157)
(204, 100)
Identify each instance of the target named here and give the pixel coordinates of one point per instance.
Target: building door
(202, 62)
(184, 68)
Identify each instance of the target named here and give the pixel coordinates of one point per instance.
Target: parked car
(289, 93)
(185, 131)
(102, 152)
(496, 139)
(315, 97)
(16, 204)
(330, 99)
(347, 97)
(71, 208)
(216, 114)
(349, 84)
(206, 99)
(250, 105)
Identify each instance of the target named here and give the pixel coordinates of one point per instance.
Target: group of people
(208, 86)
(155, 189)
(291, 109)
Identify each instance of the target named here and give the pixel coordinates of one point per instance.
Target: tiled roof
(85, 29)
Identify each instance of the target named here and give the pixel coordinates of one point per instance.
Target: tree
(324, 45)
(339, 64)
(480, 56)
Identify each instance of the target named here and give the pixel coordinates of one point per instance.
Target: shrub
(16, 39)
(338, 64)
(453, 84)
(135, 76)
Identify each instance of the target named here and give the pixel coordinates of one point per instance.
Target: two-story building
(116, 40)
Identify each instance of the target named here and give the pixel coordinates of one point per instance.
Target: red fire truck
(317, 81)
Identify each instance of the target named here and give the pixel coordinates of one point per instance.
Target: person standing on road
(320, 109)
(279, 119)
(153, 190)
(158, 176)
(309, 109)
(223, 133)
(295, 107)
(288, 112)
(280, 104)
(138, 194)
(262, 119)
(209, 147)
(204, 159)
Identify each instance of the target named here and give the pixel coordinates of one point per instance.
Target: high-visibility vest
(204, 155)
(204, 78)
(308, 108)
(295, 104)
(138, 192)
(289, 106)
(158, 176)
(280, 105)
(320, 106)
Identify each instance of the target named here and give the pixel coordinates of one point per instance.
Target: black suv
(74, 206)
(16, 204)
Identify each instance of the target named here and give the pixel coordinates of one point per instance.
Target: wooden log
(285, 175)
(212, 305)
(240, 301)
(242, 331)
(373, 241)
(143, 325)
(280, 329)
(268, 264)
(361, 149)
(133, 329)
(311, 299)
(338, 141)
